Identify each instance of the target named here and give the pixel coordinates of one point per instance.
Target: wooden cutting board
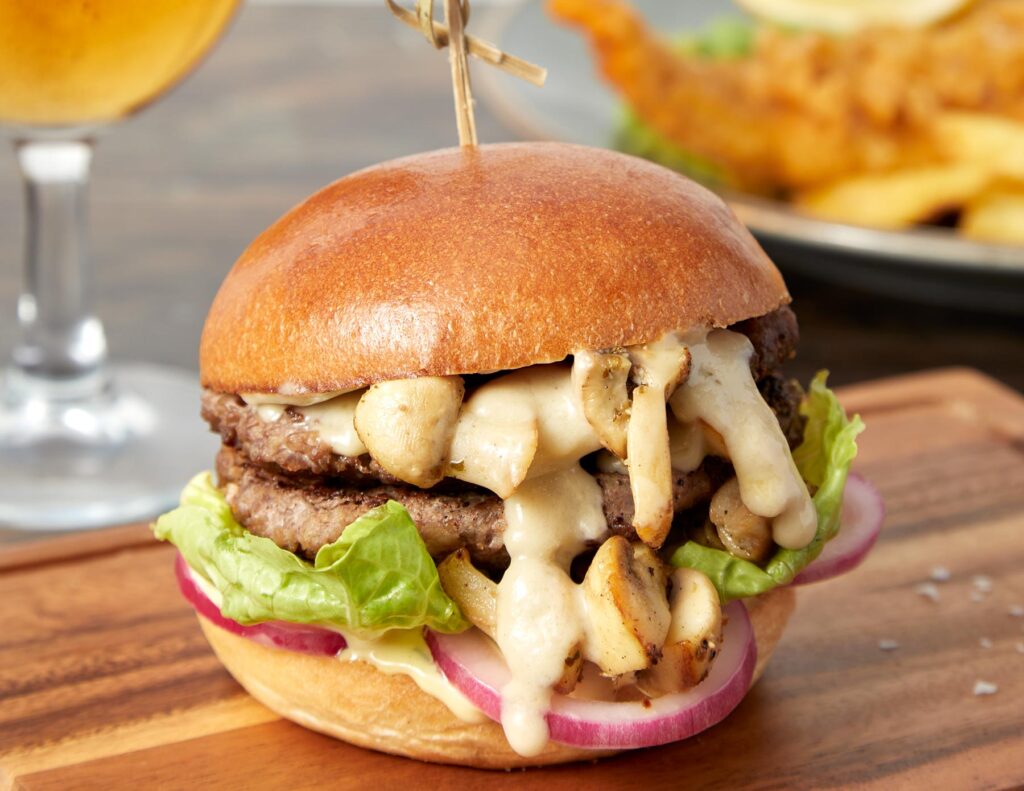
(106, 682)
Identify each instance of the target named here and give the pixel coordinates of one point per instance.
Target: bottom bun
(356, 703)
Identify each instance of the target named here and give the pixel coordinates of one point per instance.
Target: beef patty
(292, 444)
(303, 516)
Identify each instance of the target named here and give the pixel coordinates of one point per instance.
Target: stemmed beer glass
(84, 443)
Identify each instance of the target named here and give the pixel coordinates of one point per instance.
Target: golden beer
(88, 62)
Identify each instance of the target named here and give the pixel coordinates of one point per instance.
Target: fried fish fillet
(805, 108)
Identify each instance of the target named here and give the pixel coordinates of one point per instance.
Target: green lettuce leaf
(377, 576)
(823, 459)
(734, 577)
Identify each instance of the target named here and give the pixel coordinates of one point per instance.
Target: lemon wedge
(849, 16)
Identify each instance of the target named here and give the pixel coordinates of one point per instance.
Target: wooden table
(106, 681)
(298, 96)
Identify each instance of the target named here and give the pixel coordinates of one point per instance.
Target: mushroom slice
(664, 363)
(471, 589)
(572, 673)
(624, 589)
(407, 425)
(744, 534)
(492, 454)
(650, 466)
(658, 369)
(707, 534)
(694, 635)
(600, 380)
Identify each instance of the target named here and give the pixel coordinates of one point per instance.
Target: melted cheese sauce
(686, 445)
(334, 419)
(404, 652)
(522, 435)
(540, 612)
(271, 406)
(721, 392)
(527, 423)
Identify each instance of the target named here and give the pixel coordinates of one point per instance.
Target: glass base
(122, 455)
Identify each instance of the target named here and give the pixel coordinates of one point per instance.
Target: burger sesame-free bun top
(477, 260)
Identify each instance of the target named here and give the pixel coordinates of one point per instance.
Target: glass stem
(62, 344)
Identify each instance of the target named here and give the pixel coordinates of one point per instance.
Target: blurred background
(298, 94)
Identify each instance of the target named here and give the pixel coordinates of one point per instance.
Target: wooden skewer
(486, 51)
(464, 120)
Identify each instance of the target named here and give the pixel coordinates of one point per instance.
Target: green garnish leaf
(378, 575)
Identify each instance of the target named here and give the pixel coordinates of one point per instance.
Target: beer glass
(82, 442)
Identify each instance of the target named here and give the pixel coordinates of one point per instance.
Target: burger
(511, 473)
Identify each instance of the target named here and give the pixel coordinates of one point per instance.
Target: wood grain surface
(106, 682)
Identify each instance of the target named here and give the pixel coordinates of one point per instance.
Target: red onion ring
(473, 665)
(275, 634)
(860, 523)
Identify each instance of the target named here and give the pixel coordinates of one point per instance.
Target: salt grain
(888, 645)
(1020, 647)
(1017, 610)
(985, 688)
(928, 590)
(940, 574)
(977, 596)
(982, 583)
(984, 642)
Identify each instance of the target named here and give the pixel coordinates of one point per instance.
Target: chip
(899, 198)
(997, 215)
(988, 140)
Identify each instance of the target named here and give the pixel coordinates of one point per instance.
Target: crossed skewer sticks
(452, 34)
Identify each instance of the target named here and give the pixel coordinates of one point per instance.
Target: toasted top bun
(477, 260)
(354, 702)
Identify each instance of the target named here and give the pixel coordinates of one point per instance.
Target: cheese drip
(331, 415)
(405, 652)
(533, 421)
(540, 611)
(270, 406)
(283, 398)
(335, 421)
(722, 392)
(686, 445)
(527, 423)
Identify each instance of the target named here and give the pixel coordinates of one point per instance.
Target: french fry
(899, 198)
(990, 141)
(997, 215)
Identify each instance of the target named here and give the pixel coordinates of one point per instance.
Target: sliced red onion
(860, 523)
(275, 634)
(473, 665)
